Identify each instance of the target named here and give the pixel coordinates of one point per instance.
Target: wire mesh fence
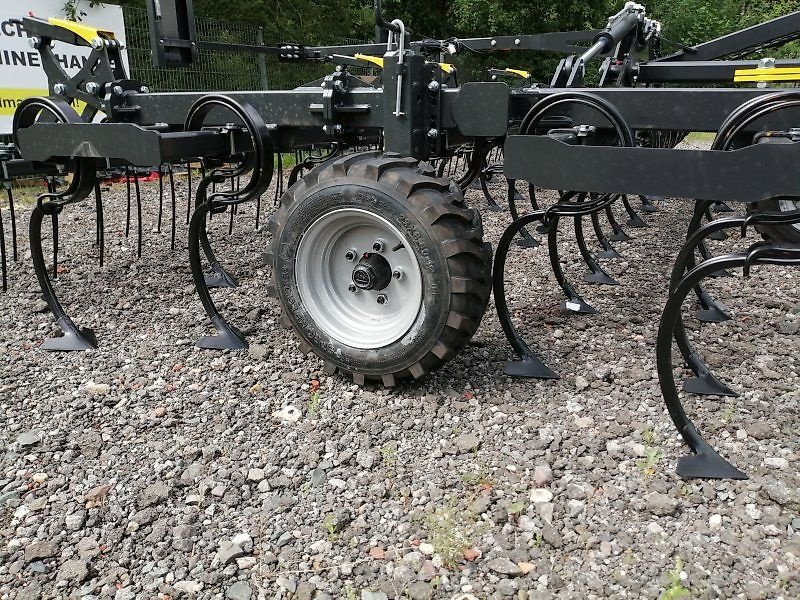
(217, 70)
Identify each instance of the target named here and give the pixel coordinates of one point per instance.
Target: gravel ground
(152, 469)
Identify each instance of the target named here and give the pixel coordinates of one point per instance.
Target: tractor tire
(379, 267)
(779, 234)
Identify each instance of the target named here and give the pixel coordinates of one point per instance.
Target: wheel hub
(358, 278)
(373, 272)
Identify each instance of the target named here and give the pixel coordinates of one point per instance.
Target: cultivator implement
(380, 267)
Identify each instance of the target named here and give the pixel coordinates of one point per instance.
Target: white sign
(21, 72)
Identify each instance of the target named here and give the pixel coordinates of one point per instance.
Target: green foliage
(351, 21)
(452, 530)
(312, 406)
(73, 11)
(675, 589)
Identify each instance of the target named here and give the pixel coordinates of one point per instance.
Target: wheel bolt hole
(350, 255)
(378, 246)
(352, 287)
(382, 299)
(397, 274)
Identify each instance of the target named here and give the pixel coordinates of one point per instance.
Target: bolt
(97, 43)
(494, 42)
(117, 89)
(144, 89)
(382, 299)
(377, 246)
(433, 133)
(59, 88)
(351, 255)
(34, 42)
(352, 287)
(92, 87)
(433, 86)
(517, 42)
(397, 274)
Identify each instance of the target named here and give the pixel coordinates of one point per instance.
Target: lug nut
(350, 255)
(382, 299)
(378, 246)
(397, 274)
(352, 287)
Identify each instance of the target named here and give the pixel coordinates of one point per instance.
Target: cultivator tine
(493, 205)
(54, 221)
(3, 263)
(160, 197)
(526, 240)
(173, 200)
(73, 338)
(617, 233)
(705, 462)
(235, 186)
(574, 302)
(100, 235)
(13, 215)
(607, 249)
(717, 235)
(647, 204)
(128, 195)
(711, 309)
(703, 382)
(220, 277)
(596, 273)
(261, 170)
(634, 220)
(189, 195)
(138, 215)
(228, 337)
(529, 365)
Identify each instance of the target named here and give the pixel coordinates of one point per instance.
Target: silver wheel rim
(786, 205)
(324, 276)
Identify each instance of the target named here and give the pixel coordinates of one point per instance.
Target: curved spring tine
(235, 184)
(160, 197)
(10, 194)
(128, 210)
(596, 274)
(526, 239)
(3, 264)
(138, 214)
(705, 461)
(529, 364)
(101, 236)
(189, 195)
(172, 196)
(617, 233)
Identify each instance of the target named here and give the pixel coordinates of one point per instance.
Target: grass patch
(700, 136)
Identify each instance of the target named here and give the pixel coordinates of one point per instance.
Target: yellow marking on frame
(11, 97)
(447, 67)
(519, 72)
(375, 60)
(774, 74)
(85, 32)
